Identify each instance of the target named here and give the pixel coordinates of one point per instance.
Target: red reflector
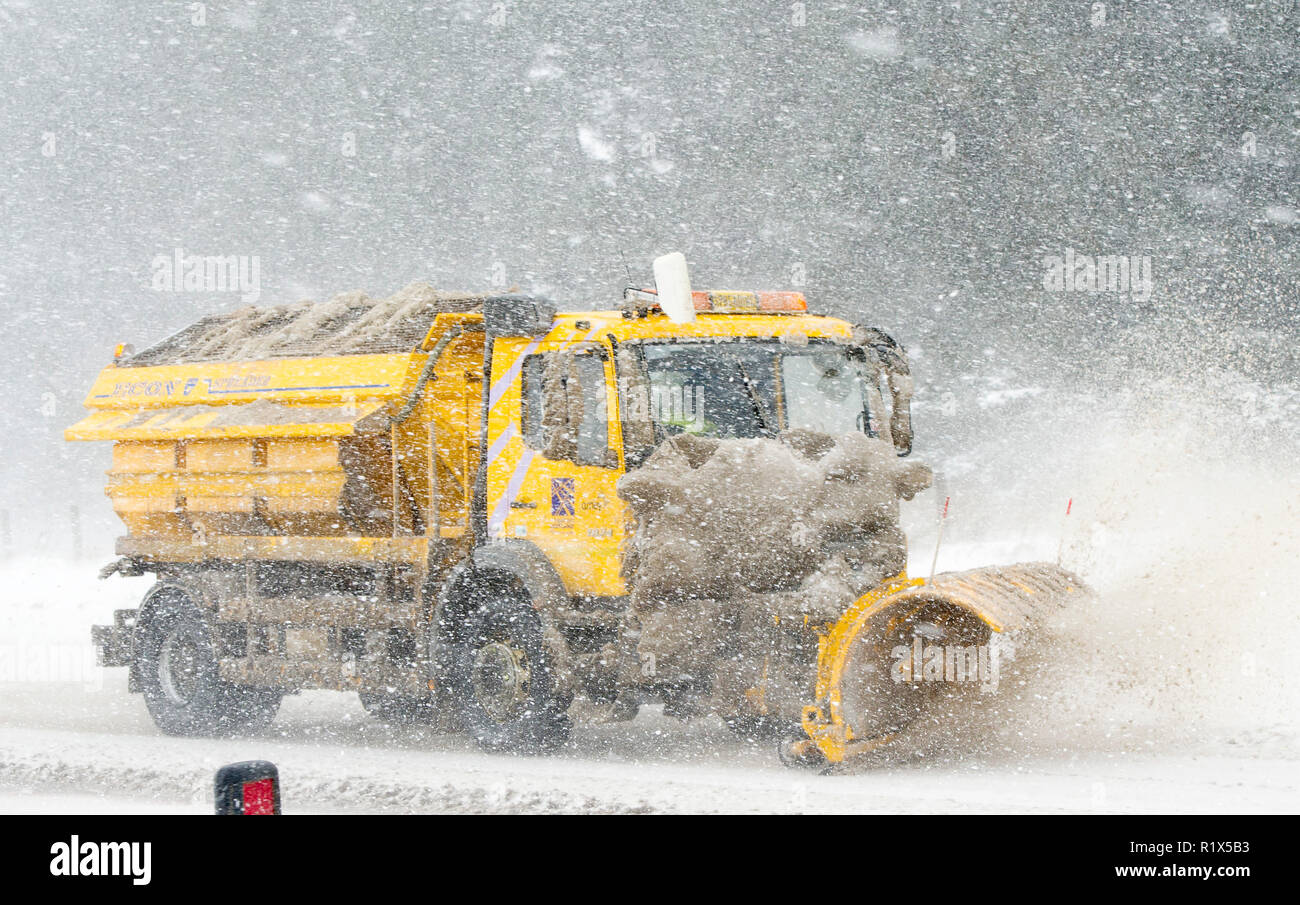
(259, 797)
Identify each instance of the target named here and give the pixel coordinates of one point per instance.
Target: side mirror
(892, 359)
(900, 416)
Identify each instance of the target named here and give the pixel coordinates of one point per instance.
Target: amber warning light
(637, 302)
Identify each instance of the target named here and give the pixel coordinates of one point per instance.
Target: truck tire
(499, 678)
(176, 664)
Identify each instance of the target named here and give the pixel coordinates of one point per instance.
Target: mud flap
(859, 705)
(115, 644)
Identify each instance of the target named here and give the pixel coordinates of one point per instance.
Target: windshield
(755, 388)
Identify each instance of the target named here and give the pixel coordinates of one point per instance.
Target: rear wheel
(500, 678)
(178, 671)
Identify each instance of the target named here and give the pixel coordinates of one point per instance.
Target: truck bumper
(115, 644)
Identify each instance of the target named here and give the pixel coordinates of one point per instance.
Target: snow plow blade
(867, 691)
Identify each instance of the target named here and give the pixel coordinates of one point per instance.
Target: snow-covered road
(73, 740)
(101, 751)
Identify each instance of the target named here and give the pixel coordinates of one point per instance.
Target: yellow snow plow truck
(474, 510)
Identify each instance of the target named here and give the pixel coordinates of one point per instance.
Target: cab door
(553, 460)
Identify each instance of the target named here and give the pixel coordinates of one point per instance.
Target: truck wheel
(177, 667)
(500, 680)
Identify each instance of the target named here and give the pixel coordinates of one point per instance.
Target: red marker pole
(1060, 550)
(939, 539)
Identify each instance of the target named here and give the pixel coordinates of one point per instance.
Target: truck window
(593, 430)
(718, 389)
(530, 414)
(824, 392)
(588, 442)
(756, 388)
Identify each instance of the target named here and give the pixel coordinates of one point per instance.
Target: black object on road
(251, 787)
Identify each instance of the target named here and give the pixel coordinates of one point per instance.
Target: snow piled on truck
(350, 323)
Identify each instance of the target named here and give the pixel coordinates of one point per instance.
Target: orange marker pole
(939, 539)
(1060, 550)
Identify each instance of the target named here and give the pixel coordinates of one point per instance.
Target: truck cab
(569, 412)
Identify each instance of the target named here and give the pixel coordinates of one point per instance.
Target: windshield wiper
(754, 398)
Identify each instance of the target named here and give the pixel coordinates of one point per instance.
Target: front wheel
(500, 679)
(179, 675)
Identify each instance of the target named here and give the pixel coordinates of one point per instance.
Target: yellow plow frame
(1005, 598)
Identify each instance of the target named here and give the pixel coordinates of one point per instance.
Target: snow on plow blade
(877, 669)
